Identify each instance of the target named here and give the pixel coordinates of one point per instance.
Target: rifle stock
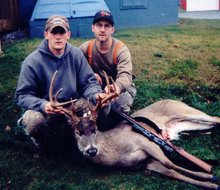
(205, 166)
(167, 145)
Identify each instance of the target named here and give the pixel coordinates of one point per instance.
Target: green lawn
(180, 62)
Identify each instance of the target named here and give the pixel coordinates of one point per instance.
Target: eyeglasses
(58, 30)
(100, 26)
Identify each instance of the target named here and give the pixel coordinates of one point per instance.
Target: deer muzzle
(92, 151)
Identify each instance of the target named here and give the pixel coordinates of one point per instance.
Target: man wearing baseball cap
(110, 54)
(74, 76)
(55, 21)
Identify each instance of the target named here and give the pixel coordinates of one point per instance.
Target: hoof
(147, 173)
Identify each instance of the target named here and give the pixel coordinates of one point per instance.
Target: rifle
(164, 144)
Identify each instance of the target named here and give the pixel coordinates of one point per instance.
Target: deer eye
(78, 133)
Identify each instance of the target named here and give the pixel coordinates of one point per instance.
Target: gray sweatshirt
(75, 76)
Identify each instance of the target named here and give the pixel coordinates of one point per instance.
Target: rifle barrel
(167, 145)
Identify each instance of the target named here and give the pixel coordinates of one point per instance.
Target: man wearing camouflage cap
(75, 76)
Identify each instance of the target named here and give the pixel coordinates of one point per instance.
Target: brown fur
(122, 146)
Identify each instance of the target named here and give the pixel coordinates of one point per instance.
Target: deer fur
(121, 146)
(174, 117)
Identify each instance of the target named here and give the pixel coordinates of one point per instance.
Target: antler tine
(54, 101)
(110, 95)
(108, 83)
(65, 103)
(51, 87)
(113, 83)
(94, 114)
(108, 98)
(71, 112)
(57, 94)
(107, 80)
(98, 104)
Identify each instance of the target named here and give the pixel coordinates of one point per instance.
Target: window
(133, 4)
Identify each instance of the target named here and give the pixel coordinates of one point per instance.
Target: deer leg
(156, 166)
(174, 127)
(158, 155)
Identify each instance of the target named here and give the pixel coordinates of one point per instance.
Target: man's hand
(111, 87)
(100, 97)
(104, 99)
(49, 109)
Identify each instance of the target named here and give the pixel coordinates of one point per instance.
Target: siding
(8, 15)
(143, 13)
(79, 13)
(127, 14)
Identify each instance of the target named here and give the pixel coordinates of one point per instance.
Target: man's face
(57, 39)
(102, 31)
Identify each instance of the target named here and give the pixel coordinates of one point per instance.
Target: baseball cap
(103, 16)
(57, 20)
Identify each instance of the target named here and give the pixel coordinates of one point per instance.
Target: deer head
(86, 129)
(82, 116)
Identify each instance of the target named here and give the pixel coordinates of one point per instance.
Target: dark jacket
(75, 76)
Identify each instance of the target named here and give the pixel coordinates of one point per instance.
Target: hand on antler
(111, 93)
(101, 100)
(50, 109)
(53, 106)
(112, 88)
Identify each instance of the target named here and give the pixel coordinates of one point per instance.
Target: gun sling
(164, 144)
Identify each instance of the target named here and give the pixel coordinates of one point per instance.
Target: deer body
(112, 149)
(121, 146)
(174, 117)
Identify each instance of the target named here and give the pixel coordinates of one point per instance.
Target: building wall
(200, 5)
(142, 13)
(127, 14)
(26, 8)
(8, 15)
(79, 13)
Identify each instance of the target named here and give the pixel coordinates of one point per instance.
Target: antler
(112, 93)
(54, 103)
(53, 100)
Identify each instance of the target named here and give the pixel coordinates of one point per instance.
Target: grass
(180, 62)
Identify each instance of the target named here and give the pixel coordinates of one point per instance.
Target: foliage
(178, 62)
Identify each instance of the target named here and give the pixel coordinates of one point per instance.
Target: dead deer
(174, 117)
(121, 146)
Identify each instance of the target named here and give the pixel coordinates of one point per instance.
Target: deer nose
(92, 151)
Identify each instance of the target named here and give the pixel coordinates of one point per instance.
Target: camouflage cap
(57, 20)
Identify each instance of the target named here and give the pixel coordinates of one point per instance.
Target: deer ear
(77, 132)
